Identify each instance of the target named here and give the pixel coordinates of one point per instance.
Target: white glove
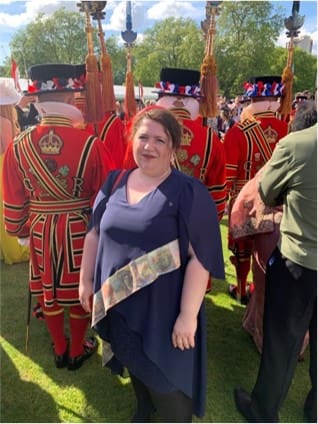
(25, 241)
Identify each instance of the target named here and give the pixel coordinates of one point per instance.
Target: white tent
(148, 93)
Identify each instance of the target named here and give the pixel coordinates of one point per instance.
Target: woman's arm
(194, 288)
(87, 270)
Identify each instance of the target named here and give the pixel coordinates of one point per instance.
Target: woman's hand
(86, 286)
(184, 331)
(85, 291)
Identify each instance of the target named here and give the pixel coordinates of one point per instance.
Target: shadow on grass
(33, 390)
(19, 394)
(90, 394)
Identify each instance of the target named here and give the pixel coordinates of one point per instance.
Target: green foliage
(60, 38)
(304, 68)
(175, 43)
(118, 58)
(33, 390)
(246, 35)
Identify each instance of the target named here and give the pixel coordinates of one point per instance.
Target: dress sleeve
(199, 220)
(101, 200)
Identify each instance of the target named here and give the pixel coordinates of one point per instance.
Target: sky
(14, 15)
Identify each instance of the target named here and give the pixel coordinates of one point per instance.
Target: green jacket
(290, 178)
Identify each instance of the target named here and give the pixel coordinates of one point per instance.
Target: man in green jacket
(290, 309)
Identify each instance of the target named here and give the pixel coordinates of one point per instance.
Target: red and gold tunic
(202, 156)
(112, 133)
(248, 146)
(51, 175)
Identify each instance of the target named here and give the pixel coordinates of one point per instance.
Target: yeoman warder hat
(58, 77)
(263, 86)
(179, 82)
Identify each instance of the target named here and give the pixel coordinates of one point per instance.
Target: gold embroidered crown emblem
(187, 137)
(50, 144)
(271, 135)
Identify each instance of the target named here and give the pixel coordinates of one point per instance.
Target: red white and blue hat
(51, 77)
(264, 86)
(178, 82)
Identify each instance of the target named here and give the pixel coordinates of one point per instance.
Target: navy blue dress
(139, 328)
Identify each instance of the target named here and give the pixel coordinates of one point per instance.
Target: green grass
(33, 390)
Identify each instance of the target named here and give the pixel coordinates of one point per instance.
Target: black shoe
(245, 299)
(61, 360)
(90, 347)
(232, 289)
(143, 416)
(243, 403)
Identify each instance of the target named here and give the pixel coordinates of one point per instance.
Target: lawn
(33, 390)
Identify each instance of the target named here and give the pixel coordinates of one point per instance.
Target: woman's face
(152, 148)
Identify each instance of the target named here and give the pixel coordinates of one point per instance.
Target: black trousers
(290, 310)
(172, 407)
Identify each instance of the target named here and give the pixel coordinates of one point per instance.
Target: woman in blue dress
(147, 257)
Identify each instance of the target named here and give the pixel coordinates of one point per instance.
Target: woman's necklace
(141, 186)
(165, 174)
(155, 181)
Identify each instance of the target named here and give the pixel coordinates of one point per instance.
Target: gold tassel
(95, 110)
(287, 96)
(107, 81)
(208, 88)
(208, 79)
(130, 100)
(108, 95)
(287, 80)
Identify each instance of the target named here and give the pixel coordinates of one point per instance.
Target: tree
(175, 43)
(304, 68)
(60, 38)
(118, 58)
(245, 41)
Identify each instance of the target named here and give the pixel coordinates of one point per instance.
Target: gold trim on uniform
(50, 144)
(53, 313)
(182, 155)
(271, 135)
(187, 170)
(187, 136)
(195, 160)
(56, 120)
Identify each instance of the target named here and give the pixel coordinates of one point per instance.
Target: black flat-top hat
(56, 77)
(264, 86)
(179, 82)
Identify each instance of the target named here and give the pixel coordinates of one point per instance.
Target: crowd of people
(119, 217)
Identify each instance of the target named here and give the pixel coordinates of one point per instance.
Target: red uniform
(112, 133)
(248, 146)
(51, 175)
(202, 156)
